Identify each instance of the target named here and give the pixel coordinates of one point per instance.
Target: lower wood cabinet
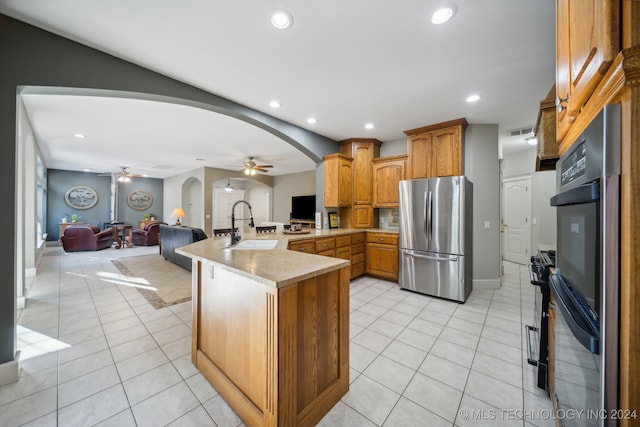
(307, 246)
(382, 256)
(357, 255)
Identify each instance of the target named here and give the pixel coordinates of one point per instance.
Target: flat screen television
(303, 207)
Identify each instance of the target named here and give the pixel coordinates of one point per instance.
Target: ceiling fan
(124, 175)
(251, 168)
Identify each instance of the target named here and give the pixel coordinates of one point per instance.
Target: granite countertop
(275, 267)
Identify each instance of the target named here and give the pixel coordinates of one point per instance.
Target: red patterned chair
(86, 237)
(148, 236)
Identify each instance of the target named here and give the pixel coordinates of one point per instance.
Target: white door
(222, 203)
(516, 224)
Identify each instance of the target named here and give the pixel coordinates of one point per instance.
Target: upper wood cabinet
(387, 174)
(548, 148)
(337, 180)
(436, 150)
(587, 41)
(362, 151)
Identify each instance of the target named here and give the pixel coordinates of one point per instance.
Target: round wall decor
(81, 197)
(140, 200)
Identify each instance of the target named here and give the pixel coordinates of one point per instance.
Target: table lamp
(178, 213)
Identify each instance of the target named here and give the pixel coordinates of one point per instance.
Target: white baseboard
(10, 371)
(486, 284)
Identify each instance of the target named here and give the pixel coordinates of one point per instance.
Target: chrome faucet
(235, 239)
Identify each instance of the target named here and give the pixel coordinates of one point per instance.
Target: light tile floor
(95, 352)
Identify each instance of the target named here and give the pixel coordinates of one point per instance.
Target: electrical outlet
(487, 225)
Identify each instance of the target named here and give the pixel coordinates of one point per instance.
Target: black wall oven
(586, 282)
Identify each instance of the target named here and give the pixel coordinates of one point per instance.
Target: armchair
(86, 237)
(148, 236)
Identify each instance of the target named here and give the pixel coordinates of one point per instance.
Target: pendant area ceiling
(345, 63)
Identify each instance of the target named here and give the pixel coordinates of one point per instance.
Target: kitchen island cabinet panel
(278, 355)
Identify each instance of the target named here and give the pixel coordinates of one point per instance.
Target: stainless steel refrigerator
(436, 236)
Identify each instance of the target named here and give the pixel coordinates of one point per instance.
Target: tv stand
(304, 222)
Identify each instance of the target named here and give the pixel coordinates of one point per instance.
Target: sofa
(148, 236)
(175, 236)
(86, 237)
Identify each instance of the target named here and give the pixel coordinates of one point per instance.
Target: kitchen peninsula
(271, 327)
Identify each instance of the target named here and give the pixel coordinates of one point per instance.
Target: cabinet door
(382, 261)
(386, 180)
(362, 216)
(448, 152)
(362, 156)
(587, 41)
(337, 181)
(421, 158)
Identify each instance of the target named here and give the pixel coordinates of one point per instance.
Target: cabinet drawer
(384, 238)
(324, 244)
(330, 252)
(343, 241)
(344, 253)
(356, 258)
(357, 249)
(357, 269)
(357, 238)
(302, 246)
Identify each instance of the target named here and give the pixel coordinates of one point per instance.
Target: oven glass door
(578, 239)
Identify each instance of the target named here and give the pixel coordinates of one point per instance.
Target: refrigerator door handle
(427, 204)
(439, 258)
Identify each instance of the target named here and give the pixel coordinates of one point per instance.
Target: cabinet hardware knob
(560, 102)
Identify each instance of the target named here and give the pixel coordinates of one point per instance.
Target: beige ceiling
(344, 62)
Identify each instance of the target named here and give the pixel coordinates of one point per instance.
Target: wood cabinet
(362, 151)
(338, 180)
(357, 255)
(436, 150)
(325, 246)
(387, 174)
(547, 152)
(587, 41)
(382, 255)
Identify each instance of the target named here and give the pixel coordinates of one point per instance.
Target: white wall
(393, 148)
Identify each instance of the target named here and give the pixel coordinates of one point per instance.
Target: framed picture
(394, 217)
(81, 197)
(333, 220)
(140, 200)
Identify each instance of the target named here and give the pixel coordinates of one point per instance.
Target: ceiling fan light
(247, 171)
(253, 171)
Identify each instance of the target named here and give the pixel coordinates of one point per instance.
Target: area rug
(161, 282)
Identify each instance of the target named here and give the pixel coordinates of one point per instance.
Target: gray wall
(286, 186)
(60, 181)
(483, 169)
(35, 58)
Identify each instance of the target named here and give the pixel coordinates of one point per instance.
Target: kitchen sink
(256, 245)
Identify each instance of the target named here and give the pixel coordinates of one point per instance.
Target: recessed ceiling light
(369, 126)
(444, 14)
(532, 141)
(312, 120)
(473, 98)
(281, 19)
(275, 104)
(86, 170)
(79, 135)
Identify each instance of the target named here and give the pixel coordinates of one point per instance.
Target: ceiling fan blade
(264, 166)
(258, 168)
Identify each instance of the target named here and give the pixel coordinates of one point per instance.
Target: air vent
(521, 132)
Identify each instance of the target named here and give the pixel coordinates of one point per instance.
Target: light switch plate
(487, 225)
